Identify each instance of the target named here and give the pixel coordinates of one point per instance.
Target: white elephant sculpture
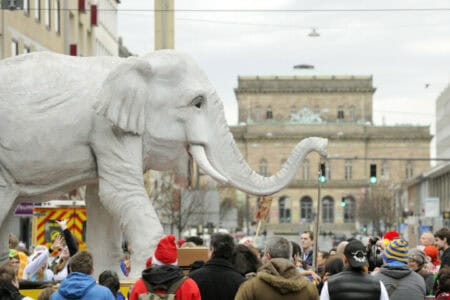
(69, 121)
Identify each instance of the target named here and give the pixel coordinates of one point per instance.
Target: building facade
(74, 27)
(276, 112)
(443, 124)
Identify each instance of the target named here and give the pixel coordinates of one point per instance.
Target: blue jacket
(81, 286)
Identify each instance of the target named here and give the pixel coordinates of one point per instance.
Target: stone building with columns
(276, 112)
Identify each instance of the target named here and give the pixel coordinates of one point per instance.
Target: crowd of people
(386, 268)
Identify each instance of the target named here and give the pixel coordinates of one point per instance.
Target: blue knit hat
(396, 251)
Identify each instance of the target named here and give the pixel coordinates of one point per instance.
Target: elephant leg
(8, 197)
(103, 234)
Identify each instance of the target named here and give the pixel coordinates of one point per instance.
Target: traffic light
(343, 203)
(322, 175)
(373, 174)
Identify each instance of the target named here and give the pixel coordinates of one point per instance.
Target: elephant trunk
(223, 156)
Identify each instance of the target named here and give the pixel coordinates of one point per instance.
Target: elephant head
(167, 99)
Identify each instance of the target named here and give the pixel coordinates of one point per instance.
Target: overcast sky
(406, 51)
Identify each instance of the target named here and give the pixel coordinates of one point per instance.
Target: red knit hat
(148, 263)
(166, 251)
(433, 253)
(391, 235)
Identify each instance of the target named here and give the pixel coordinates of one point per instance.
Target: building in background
(73, 27)
(276, 112)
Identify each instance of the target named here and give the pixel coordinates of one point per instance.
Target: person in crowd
(36, 269)
(9, 284)
(340, 248)
(426, 239)
(46, 293)
(334, 265)
(23, 257)
(217, 279)
(442, 240)
(322, 257)
(307, 242)
(417, 262)
(110, 279)
(80, 284)
(388, 237)
(374, 253)
(163, 276)
(353, 282)
(400, 281)
(245, 260)
(443, 284)
(433, 253)
(278, 277)
(65, 246)
(301, 265)
(14, 260)
(332, 252)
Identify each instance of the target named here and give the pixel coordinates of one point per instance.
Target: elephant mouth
(198, 153)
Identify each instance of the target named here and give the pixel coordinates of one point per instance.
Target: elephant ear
(123, 94)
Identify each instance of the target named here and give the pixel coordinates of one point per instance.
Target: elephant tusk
(199, 155)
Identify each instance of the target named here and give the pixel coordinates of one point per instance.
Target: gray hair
(279, 247)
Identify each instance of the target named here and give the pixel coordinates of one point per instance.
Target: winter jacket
(217, 280)
(161, 278)
(9, 291)
(401, 282)
(277, 279)
(353, 284)
(445, 258)
(81, 286)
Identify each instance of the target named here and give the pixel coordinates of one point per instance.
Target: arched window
(305, 169)
(263, 167)
(269, 114)
(340, 113)
(409, 169)
(306, 215)
(327, 210)
(349, 210)
(348, 169)
(284, 209)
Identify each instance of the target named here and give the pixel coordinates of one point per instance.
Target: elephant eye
(198, 101)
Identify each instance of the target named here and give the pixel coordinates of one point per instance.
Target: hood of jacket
(76, 285)
(162, 277)
(396, 272)
(282, 275)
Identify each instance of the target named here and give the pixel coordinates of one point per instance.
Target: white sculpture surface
(69, 121)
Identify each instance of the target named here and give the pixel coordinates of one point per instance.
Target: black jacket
(217, 280)
(353, 285)
(9, 292)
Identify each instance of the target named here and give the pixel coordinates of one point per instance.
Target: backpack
(169, 295)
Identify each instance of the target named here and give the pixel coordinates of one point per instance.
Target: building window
(348, 170)
(351, 112)
(349, 210)
(384, 171)
(409, 169)
(284, 210)
(305, 169)
(263, 167)
(269, 115)
(26, 49)
(306, 209)
(340, 113)
(26, 7)
(327, 210)
(47, 13)
(37, 10)
(57, 16)
(14, 48)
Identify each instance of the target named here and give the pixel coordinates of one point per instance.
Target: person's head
(322, 257)
(196, 240)
(355, 255)
(417, 259)
(433, 253)
(443, 279)
(245, 260)
(396, 252)
(82, 262)
(296, 252)
(166, 252)
(427, 238)
(8, 274)
(278, 247)
(14, 259)
(332, 252)
(109, 279)
(442, 238)
(221, 246)
(334, 265)
(307, 239)
(46, 293)
(340, 247)
(13, 241)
